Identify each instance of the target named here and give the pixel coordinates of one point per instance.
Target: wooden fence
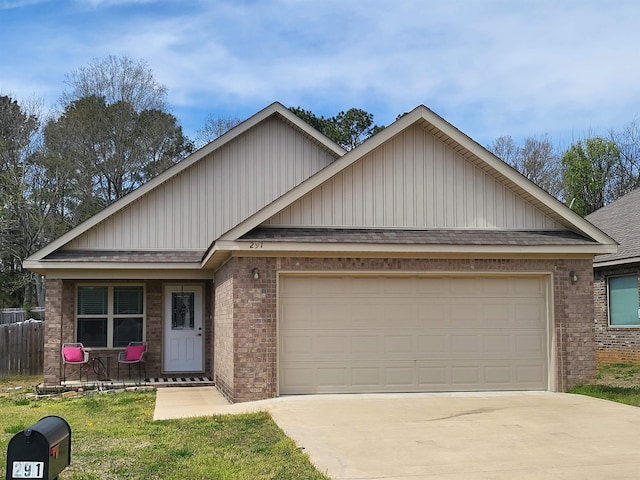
(14, 315)
(22, 348)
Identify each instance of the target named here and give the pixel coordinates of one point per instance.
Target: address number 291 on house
(28, 470)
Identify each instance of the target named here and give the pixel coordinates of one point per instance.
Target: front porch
(108, 384)
(156, 311)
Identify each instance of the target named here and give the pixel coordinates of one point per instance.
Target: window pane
(127, 300)
(182, 314)
(92, 332)
(126, 330)
(92, 300)
(623, 300)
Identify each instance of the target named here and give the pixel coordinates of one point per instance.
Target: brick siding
(246, 313)
(241, 316)
(223, 327)
(613, 344)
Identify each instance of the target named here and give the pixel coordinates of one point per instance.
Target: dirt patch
(618, 375)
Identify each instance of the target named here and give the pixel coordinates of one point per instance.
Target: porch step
(179, 382)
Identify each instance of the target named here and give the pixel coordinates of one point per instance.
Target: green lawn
(617, 382)
(114, 437)
(628, 395)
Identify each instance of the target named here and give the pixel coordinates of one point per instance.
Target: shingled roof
(418, 237)
(621, 221)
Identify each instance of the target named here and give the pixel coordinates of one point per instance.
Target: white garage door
(348, 334)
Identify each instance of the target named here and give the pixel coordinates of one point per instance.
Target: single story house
(278, 263)
(617, 309)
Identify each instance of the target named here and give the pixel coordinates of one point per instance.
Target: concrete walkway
(536, 435)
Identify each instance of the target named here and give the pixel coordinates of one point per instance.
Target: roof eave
(615, 262)
(44, 266)
(264, 249)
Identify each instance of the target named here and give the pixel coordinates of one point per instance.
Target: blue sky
(566, 68)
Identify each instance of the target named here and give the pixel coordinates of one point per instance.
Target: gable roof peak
(274, 109)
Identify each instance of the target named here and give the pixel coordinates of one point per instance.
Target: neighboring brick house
(278, 263)
(617, 310)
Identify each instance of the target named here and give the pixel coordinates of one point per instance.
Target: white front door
(183, 329)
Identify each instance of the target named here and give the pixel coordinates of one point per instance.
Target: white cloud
(11, 4)
(491, 68)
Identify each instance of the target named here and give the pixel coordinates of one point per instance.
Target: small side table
(102, 367)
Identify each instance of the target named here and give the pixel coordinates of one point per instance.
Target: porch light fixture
(255, 273)
(573, 276)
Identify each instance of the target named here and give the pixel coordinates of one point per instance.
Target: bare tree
(116, 79)
(213, 128)
(537, 160)
(113, 136)
(25, 216)
(626, 176)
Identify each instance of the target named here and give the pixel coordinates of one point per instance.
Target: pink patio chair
(73, 354)
(133, 354)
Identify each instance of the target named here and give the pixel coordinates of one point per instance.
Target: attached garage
(413, 333)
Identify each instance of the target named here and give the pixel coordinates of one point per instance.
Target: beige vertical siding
(198, 205)
(414, 181)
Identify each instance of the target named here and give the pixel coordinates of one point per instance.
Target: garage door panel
(399, 313)
(328, 345)
(498, 343)
(432, 287)
(530, 374)
(464, 344)
(334, 377)
(432, 312)
(467, 376)
(401, 286)
(400, 377)
(528, 286)
(297, 379)
(296, 345)
(367, 377)
(364, 314)
(329, 286)
(432, 343)
(432, 377)
(528, 313)
(413, 344)
(399, 344)
(365, 345)
(418, 333)
(464, 311)
(501, 313)
(532, 343)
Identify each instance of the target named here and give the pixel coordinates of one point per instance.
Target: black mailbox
(41, 451)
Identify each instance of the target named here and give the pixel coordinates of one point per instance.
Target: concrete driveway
(455, 436)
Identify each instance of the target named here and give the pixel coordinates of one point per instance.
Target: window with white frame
(110, 316)
(623, 301)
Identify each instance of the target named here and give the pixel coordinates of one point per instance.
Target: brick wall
(53, 332)
(613, 344)
(252, 365)
(223, 330)
(154, 310)
(254, 327)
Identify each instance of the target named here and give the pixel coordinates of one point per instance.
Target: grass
(628, 395)
(618, 373)
(617, 382)
(114, 437)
